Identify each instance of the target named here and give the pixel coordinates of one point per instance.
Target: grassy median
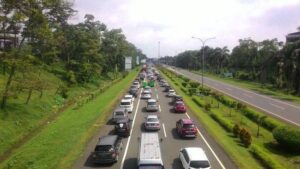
(60, 143)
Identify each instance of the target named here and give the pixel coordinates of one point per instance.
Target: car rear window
(199, 164)
(152, 119)
(125, 103)
(188, 125)
(104, 148)
(151, 103)
(119, 113)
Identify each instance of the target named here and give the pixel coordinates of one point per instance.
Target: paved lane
(283, 110)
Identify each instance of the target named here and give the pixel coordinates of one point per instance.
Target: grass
(240, 154)
(266, 89)
(61, 141)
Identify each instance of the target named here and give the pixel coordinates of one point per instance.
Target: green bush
(207, 106)
(194, 84)
(184, 84)
(192, 91)
(198, 102)
(288, 137)
(247, 139)
(236, 130)
(228, 126)
(240, 106)
(242, 133)
(264, 157)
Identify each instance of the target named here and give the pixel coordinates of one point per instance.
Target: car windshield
(199, 164)
(119, 113)
(127, 97)
(146, 92)
(151, 167)
(125, 103)
(188, 126)
(151, 103)
(104, 148)
(152, 119)
(179, 104)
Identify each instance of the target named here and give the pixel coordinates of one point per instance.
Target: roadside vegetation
(48, 65)
(251, 138)
(272, 64)
(60, 143)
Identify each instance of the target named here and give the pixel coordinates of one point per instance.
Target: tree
(259, 121)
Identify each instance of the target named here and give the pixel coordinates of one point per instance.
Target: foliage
(236, 130)
(288, 137)
(260, 154)
(194, 84)
(228, 126)
(192, 91)
(207, 106)
(184, 84)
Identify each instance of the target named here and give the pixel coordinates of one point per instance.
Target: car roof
(179, 102)
(146, 91)
(171, 90)
(120, 109)
(128, 95)
(151, 100)
(107, 140)
(125, 100)
(152, 116)
(196, 153)
(187, 121)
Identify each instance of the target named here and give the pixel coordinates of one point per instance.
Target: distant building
(8, 40)
(293, 37)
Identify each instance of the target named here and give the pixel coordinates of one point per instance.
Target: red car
(179, 107)
(186, 128)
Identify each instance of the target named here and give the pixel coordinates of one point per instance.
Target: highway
(283, 110)
(170, 145)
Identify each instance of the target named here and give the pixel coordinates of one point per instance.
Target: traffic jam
(108, 148)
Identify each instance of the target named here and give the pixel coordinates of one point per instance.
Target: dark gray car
(118, 114)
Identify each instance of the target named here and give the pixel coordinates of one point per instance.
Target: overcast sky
(174, 22)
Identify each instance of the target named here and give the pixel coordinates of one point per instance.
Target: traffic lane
(173, 143)
(276, 108)
(84, 161)
(133, 148)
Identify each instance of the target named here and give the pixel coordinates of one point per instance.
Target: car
(171, 93)
(107, 150)
(133, 92)
(179, 107)
(136, 83)
(146, 95)
(123, 127)
(186, 128)
(127, 104)
(130, 97)
(118, 114)
(193, 157)
(148, 88)
(177, 98)
(152, 123)
(167, 88)
(152, 105)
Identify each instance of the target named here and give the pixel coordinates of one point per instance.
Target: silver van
(150, 154)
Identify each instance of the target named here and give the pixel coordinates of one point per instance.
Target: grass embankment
(242, 156)
(266, 89)
(20, 121)
(61, 142)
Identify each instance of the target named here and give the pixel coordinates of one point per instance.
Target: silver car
(146, 95)
(119, 114)
(152, 105)
(152, 123)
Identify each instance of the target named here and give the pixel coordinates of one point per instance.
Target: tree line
(267, 62)
(36, 35)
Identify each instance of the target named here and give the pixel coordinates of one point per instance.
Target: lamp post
(203, 44)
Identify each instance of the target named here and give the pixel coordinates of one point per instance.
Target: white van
(127, 104)
(150, 154)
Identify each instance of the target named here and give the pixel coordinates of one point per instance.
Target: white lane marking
(159, 108)
(279, 107)
(164, 130)
(253, 105)
(219, 161)
(157, 96)
(245, 94)
(129, 138)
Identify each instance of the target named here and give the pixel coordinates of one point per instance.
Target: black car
(133, 91)
(167, 88)
(177, 98)
(107, 150)
(123, 127)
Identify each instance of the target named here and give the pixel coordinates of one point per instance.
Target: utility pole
(203, 45)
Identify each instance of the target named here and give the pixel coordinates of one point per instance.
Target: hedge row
(198, 102)
(288, 138)
(228, 126)
(264, 157)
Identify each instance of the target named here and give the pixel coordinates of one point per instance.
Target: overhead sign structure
(128, 63)
(143, 61)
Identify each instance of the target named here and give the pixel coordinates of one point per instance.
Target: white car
(146, 94)
(137, 84)
(127, 104)
(152, 123)
(130, 97)
(193, 158)
(171, 93)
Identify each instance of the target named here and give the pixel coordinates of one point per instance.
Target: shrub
(184, 84)
(192, 91)
(264, 157)
(207, 106)
(224, 123)
(241, 134)
(247, 139)
(240, 106)
(288, 137)
(270, 124)
(236, 130)
(198, 102)
(194, 84)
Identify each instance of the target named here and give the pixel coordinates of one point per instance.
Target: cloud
(173, 22)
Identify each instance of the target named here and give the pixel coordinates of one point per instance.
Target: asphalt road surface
(170, 145)
(289, 112)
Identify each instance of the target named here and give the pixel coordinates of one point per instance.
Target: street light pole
(203, 45)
